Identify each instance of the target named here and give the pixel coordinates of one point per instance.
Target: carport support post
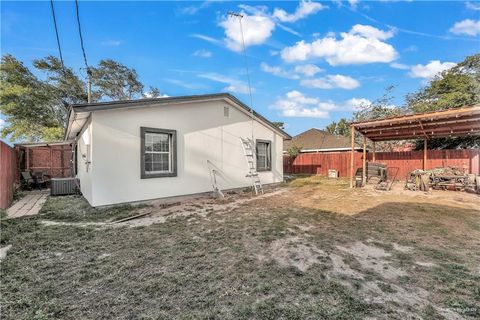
(425, 148)
(373, 153)
(364, 162)
(352, 157)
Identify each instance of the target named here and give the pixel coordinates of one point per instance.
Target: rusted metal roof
(458, 122)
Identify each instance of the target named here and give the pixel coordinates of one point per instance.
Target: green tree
(280, 125)
(294, 151)
(66, 87)
(116, 81)
(380, 108)
(30, 105)
(154, 92)
(340, 128)
(453, 88)
(36, 108)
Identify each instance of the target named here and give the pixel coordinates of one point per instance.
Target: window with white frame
(158, 153)
(264, 155)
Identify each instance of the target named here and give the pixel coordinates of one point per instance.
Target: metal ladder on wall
(248, 150)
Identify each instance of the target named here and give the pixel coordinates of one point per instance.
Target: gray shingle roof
(314, 139)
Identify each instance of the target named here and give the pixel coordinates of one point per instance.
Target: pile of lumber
(448, 178)
(418, 180)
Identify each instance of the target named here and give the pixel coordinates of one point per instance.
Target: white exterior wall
(203, 133)
(84, 155)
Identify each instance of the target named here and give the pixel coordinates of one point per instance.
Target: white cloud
(149, 94)
(356, 103)
(192, 10)
(468, 27)
(412, 48)
(371, 32)
(256, 30)
(233, 85)
(112, 43)
(289, 30)
(304, 9)
(187, 85)
(430, 70)
(206, 38)
(361, 45)
(202, 53)
(472, 5)
(353, 3)
(278, 71)
(2, 123)
(258, 24)
(331, 82)
(255, 10)
(400, 66)
(308, 70)
(296, 104)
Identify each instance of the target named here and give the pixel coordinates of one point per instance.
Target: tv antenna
(239, 16)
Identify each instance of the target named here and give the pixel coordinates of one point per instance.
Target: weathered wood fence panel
(8, 169)
(406, 161)
(411, 160)
(320, 163)
(52, 160)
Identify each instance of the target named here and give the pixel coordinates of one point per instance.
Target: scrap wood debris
(448, 178)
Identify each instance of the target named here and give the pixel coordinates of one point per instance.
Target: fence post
(352, 157)
(425, 154)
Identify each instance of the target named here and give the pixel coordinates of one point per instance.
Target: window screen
(158, 152)
(264, 155)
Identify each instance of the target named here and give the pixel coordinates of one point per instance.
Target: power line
(56, 33)
(89, 73)
(240, 16)
(81, 37)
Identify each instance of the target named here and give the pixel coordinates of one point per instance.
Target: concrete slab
(29, 205)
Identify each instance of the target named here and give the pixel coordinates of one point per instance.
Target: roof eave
(82, 108)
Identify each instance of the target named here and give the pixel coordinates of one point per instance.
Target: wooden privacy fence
(53, 159)
(406, 161)
(8, 170)
(320, 163)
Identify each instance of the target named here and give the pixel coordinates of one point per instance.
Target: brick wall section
(8, 168)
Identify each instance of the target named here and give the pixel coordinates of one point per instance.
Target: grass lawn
(271, 258)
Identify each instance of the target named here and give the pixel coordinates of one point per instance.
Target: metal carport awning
(460, 122)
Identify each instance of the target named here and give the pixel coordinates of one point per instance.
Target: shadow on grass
(194, 267)
(77, 209)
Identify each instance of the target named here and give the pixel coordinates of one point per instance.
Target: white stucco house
(138, 150)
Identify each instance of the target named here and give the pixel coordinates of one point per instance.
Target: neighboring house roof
(318, 140)
(79, 113)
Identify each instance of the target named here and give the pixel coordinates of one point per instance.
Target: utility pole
(239, 16)
(89, 84)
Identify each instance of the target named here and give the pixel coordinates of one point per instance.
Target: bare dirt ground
(336, 196)
(311, 249)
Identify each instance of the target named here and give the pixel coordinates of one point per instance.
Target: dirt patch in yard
(374, 259)
(335, 195)
(199, 206)
(311, 250)
(296, 252)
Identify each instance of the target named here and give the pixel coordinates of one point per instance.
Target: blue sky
(310, 62)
